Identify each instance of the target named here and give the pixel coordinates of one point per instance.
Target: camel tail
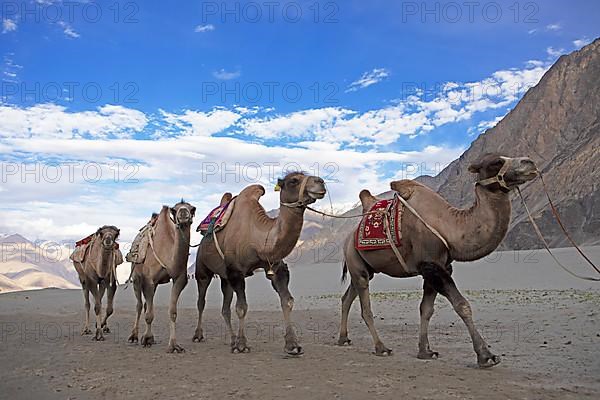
(344, 272)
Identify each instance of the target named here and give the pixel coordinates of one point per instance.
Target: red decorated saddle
(88, 239)
(83, 241)
(371, 233)
(216, 219)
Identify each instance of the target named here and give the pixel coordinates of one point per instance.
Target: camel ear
(193, 211)
(474, 168)
(173, 212)
(280, 182)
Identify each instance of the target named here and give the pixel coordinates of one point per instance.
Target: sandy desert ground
(544, 324)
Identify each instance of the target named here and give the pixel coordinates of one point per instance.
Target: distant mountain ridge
(25, 265)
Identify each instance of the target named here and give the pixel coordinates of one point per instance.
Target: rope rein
(499, 178)
(555, 213)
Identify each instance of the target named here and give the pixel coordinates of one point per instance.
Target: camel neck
(285, 232)
(103, 259)
(171, 243)
(182, 246)
(479, 230)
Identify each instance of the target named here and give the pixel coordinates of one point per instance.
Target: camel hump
(254, 192)
(406, 187)
(225, 199)
(367, 200)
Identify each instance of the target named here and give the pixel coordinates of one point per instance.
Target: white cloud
(554, 27)
(555, 53)
(368, 78)
(68, 30)
(413, 116)
(579, 43)
(9, 25)
(297, 124)
(171, 168)
(49, 120)
(484, 126)
(535, 63)
(532, 31)
(226, 75)
(204, 28)
(201, 123)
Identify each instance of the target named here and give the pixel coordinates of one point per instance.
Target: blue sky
(358, 90)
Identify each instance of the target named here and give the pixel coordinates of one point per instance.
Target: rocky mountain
(557, 124)
(25, 265)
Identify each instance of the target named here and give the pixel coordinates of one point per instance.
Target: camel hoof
(133, 338)
(175, 348)
(147, 341)
(86, 331)
(106, 329)
(240, 349)
(344, 341)
(240, 346)
(98, 337)
(488, 361)
(428, 355)
(198, 339)
(382, 351)
(295, 351)
(198, 336)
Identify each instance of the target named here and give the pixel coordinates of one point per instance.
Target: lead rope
(388, 232)
(162, 264)
(218, 246)
(555, 213)
(539, 233)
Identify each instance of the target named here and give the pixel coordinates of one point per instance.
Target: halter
(499, 177)
(300, 203)
(177, 220)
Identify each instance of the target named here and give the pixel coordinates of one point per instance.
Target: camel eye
(294, 181)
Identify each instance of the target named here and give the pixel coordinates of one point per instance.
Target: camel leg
(426, 309)
(241, 308)
(97, 293)
(86, 297)
(148, 288)
(203, 279)
(227, 291)
(362, 287)
(443, 283)
(179, 284)
(347, 300)
(137, 289)
(280, 282)
(112, 289)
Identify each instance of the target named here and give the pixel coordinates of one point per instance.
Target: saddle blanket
(371, 233)
(81, 247)
(216, 219)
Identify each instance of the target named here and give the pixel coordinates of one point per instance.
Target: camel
(166, 259)
(97, 274)
(251, 240)
(471, 234)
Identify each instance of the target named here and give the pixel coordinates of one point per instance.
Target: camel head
(299, 190)
(499, 173)
(182, 214)
(108, 235)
